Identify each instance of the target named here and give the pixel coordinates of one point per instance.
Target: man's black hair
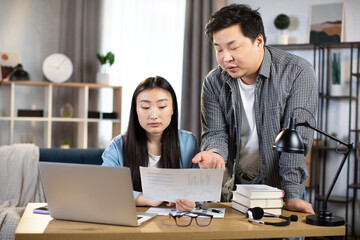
(249, 21)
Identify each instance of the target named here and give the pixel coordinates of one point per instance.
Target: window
(147, 40)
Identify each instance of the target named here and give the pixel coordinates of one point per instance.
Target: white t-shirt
(153, 161)
(249, 151)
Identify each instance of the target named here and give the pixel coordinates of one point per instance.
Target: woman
(153, 138)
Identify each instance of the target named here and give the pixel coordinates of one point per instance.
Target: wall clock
(57, 68)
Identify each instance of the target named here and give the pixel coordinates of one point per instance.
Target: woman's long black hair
(135, 142)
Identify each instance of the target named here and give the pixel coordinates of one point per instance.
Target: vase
(67, 110)
(336, 90)
(283, 39)
(64, 146)
(102, 78)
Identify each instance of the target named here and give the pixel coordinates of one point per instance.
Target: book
(259, 191)
(271, 211)
(257, 202)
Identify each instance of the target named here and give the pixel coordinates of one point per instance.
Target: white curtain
(147, 40)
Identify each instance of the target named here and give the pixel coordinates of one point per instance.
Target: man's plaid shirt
(284, 82)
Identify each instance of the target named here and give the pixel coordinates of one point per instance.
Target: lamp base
(325, 218)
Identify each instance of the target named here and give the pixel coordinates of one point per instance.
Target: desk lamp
(289, 140)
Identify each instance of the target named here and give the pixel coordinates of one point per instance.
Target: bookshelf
(40, 96)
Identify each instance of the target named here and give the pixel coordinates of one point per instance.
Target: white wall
(31, 28)
(299, 12)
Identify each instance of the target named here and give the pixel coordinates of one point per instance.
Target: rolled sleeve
(215, 137)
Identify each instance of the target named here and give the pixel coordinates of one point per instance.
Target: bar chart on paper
(190, 184)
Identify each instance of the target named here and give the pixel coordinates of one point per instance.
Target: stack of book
(258, 195)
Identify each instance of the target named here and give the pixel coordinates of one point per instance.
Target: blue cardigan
(113, 154)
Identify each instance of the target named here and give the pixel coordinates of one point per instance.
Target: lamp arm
(306, 124)
(349, 146)
(336, 177)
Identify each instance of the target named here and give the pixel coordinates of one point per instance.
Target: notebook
(90, 193)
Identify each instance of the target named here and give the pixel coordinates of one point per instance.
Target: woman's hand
(183, 205)
(141, 201)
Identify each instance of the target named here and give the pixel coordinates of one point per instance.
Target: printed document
(191, 184)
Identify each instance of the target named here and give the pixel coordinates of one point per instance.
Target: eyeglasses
(185, 219)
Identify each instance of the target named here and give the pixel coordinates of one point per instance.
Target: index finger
(197, 158)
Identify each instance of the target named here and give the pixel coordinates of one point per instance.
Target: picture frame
(8, 60)
(327, 23)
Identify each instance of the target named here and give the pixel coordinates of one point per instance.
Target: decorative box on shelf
(30, 113)
(93, 114)
(109, 115)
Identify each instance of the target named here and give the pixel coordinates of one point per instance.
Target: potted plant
(336, 88)
(106, 61)
(282, 22)
(65, 144)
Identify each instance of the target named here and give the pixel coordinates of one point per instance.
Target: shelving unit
(41, 96)
(352, 99)
(323, 152)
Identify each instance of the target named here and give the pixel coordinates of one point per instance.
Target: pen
(201, 208)
(216, 211)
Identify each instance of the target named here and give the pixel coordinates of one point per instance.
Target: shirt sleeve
(189, 148)
(302, 102)
(113, 156)
(215, 137)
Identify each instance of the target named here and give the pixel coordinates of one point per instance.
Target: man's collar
(266, 63)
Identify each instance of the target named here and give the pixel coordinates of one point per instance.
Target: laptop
(91, 193)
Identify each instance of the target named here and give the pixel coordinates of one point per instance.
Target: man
(246, 102)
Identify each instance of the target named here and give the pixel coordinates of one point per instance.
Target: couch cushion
(72, 155)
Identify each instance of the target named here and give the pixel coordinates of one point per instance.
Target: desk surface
(233, 226)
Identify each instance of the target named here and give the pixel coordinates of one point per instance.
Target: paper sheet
(164, 211)
(191, 184)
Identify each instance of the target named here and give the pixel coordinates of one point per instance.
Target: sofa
(20, 181)
(72, 155)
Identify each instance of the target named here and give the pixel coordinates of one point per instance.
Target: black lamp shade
(18, 74)
(290, 141)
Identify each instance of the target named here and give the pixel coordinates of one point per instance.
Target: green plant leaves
(109, 57)
(282, 22)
